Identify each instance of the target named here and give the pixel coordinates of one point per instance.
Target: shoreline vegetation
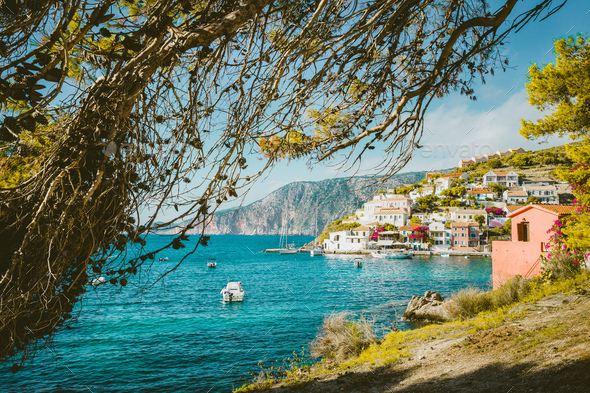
(526, 326)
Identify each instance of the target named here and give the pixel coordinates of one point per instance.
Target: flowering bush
(375, 235)
(573, 233)
(496, 211)
(569, 243)
(420, 233)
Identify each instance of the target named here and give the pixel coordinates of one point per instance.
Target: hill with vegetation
(531, 164)
(303, 208)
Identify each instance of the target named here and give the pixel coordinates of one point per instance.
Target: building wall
(539, 222)
(519, 257)
(514, 258)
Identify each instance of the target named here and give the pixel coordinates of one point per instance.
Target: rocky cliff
(304, 208)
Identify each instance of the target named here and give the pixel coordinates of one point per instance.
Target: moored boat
(391, 254)
(317, 251)
(444, 255)
(401, 255)
(289, 249)
(358, 262)
(98, 281)
(211, 262)
(378, 254)
(233, 292)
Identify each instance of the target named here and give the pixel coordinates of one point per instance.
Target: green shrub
(341, 338)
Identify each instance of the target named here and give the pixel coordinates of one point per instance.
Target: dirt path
(547, 349)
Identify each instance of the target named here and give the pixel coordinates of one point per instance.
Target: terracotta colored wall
(515, 258)
(539, 223)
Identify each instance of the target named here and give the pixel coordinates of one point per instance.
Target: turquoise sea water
(179, 336)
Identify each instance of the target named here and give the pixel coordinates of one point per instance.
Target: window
(462, 242)
(522, 229)
(462, 235)
(456, 242)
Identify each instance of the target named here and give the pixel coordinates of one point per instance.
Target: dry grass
(469, 302)
(340, 337)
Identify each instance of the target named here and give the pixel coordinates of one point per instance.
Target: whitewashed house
(478, 160)
(466, 215)
(372, 210)
(464, 163)
(515, 196)
(481, 194)
(393, 216)
(445, 182)
(421, 192)
(506, 179)
(503, 153)
(545, 193)
(440, 235)
(354, 240)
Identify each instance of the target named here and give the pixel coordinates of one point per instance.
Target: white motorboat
(211, 262)
(98, 281)
(444, 255)
(379, 254)
(233, 292)
(317, 251)
(392, 254)
(163, 259)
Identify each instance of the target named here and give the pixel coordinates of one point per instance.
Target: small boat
(289, 249)
(211, 262)
(400, 255)
(444, 255)
(97, 281)
(358, 262)
(466, 257)
(392, 254)
(317, 251)
(163, 259)
(233, 292)
(378, 254)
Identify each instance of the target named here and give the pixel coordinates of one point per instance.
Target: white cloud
(456, 130)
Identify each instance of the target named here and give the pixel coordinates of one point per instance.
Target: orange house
(522, 255)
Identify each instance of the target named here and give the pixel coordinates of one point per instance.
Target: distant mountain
(304, 208)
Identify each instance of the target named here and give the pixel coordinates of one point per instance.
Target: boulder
(427, 308)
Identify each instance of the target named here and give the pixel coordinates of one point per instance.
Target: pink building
(465, 236)
(522, 255)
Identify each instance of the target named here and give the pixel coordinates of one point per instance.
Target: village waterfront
(180, 336)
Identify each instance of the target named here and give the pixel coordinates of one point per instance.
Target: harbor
(453, 253)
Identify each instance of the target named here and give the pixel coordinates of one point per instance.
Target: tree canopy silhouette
(112, 106)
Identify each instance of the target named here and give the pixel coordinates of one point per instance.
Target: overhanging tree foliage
(117, 105)
(562, 89)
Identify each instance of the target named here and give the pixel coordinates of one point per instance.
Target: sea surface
(178, 335)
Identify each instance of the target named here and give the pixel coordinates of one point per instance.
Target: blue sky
(459, 128)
